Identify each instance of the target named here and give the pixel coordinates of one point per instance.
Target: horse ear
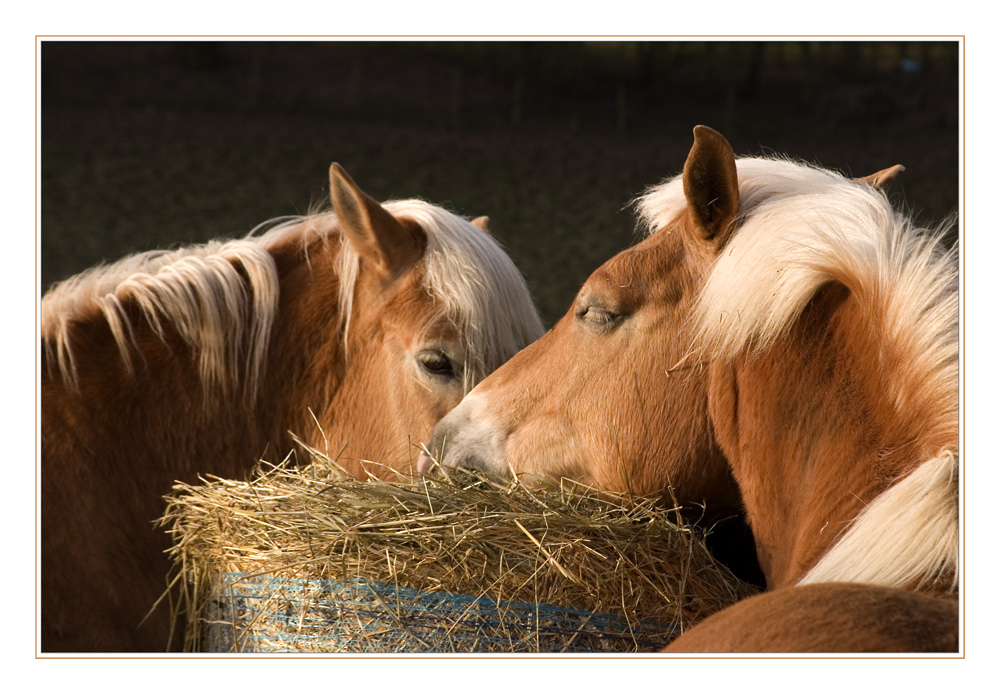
(483, 223)
(880, 178)
(370, 228)
(711, 185)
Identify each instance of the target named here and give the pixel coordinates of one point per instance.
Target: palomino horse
(822, 328)
(605, 398)
(356, 330)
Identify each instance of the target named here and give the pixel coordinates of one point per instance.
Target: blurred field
(147, 145)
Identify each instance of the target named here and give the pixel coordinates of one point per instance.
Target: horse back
(828, 618)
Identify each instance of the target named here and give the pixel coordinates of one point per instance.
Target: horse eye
(598, 317)
(437, 364)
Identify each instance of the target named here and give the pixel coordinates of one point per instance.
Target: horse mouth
(456, 456)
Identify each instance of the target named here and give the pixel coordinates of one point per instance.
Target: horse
(354, 329)
(606, 399)
(820, 326)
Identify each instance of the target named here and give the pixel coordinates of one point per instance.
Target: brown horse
(831, 327)
(820, 326)
(355, 329)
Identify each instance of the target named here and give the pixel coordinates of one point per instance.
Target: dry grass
(313, 560)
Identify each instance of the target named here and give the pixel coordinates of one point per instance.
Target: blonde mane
(799, 228)
(924, 504)
(476, 282)
(198, 290)
(222, 297)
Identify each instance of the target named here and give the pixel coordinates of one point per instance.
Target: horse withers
(782, 324)
(355, 330)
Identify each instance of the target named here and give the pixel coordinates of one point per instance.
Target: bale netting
(312, 560)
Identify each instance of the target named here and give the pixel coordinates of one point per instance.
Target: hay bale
(310, 559)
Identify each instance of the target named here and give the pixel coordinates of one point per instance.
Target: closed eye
(598, 317)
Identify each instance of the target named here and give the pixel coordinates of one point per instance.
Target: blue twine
(373, 616)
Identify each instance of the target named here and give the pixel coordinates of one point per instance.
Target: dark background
(152, 144)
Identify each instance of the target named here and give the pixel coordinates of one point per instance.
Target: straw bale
(311, 559)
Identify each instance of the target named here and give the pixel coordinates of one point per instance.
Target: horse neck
(328, 385)
(306, 363)
(820, 427)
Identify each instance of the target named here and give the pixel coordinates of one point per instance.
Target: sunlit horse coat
(784, 324)
(355, 330)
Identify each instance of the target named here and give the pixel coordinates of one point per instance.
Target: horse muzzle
(464, 439)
